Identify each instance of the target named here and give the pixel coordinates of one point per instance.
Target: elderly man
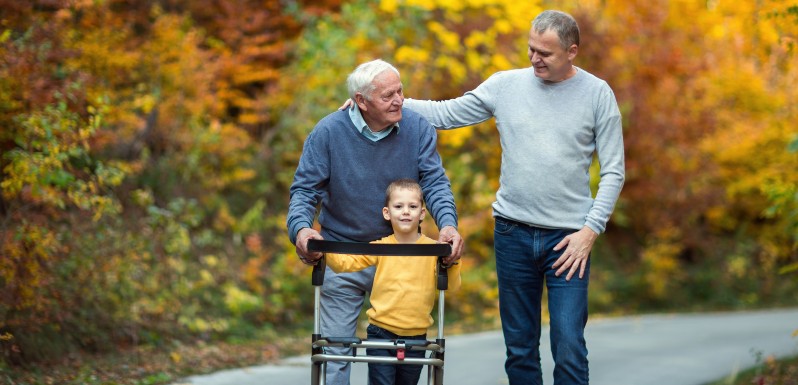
(551, 118)
(347, 161)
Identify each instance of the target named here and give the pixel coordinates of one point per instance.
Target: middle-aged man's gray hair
(362, 78)
(560, 22)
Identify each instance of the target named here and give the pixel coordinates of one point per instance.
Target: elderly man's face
(384, 106)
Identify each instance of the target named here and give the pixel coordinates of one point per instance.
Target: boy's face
(404, 210)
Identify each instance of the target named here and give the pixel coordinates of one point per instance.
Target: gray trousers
(342, 297)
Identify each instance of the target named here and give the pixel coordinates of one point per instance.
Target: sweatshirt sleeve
(610, 151)
(473, 107)
(345, 263)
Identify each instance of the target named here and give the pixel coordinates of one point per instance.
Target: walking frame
(437, 348)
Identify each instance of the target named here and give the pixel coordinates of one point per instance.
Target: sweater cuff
(294, 230)
(447, 220)
(597, 228)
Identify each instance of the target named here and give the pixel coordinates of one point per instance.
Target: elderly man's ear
(360, 100)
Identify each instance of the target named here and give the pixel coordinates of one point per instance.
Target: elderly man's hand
(450, 235)
(302, 237)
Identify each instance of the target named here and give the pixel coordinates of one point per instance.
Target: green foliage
(51, 162)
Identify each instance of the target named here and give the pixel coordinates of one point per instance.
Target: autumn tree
(706, 91)
(135, 172)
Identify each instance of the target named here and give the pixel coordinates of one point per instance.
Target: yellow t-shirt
(405, 288)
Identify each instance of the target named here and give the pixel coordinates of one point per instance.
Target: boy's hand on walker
(449, 235)
(348, 103)
(302, 237)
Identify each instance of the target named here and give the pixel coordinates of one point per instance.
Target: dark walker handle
(443, 275)
(318, 272)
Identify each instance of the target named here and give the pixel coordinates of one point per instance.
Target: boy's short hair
(405, 183)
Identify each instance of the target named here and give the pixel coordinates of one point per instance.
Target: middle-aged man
(551, 118)
(347, 161)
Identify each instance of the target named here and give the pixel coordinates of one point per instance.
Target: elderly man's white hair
(362, 78)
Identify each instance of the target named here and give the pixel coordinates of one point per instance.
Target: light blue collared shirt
(360, 124)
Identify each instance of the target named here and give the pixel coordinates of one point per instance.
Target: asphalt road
(679, 349)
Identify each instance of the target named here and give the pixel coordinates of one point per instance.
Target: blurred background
(148, 147)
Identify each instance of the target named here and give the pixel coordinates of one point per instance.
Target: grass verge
(149, 365)
(768, 371)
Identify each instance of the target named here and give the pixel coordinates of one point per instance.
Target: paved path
(643, 350)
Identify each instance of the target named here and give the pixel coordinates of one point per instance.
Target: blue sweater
(348, 174)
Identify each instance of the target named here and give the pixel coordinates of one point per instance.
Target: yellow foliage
(389, 6)
(210, 261)
(102, 50)
(738, 266)
(455, 138)
(406, 55)
(176, 264)
(500, 62)
(504, 27)
(201, 325)
(449, 39)
(473, 60)
(178, 242)
(660, 258)
(239, 301)
(249, 118)
(206, 278)
(452, 6)
(454, 67)
(423, 4)
(25, 256)
(224, 220)
(250, 75)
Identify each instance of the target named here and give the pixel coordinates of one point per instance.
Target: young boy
(404, 288)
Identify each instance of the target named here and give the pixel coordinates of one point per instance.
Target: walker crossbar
(383, 344)
(376, 360)
(393, 249)
(319, 358)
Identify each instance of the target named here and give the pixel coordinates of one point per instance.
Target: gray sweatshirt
(549, 133)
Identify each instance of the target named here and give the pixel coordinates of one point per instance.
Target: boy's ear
(386, 214)
(423, 213)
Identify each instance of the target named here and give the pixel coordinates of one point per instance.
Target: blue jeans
(387, 374)
(524, 259)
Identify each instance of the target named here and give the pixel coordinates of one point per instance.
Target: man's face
(384, 106)
(551, 62)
